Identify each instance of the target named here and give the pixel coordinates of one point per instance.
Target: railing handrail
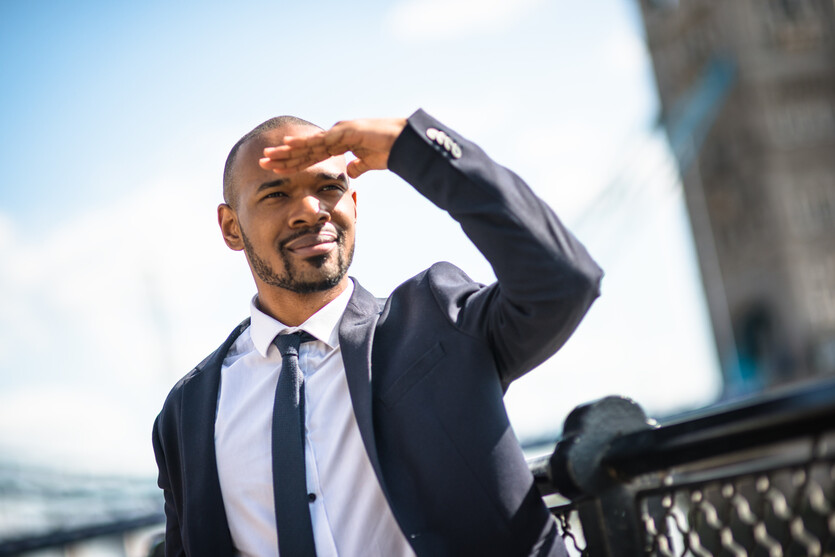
(713, 431)
(719, 430)
(749, 475)
(60, 538)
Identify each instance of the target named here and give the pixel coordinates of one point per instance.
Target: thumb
(357, 167)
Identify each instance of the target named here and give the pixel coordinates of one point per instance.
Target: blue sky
(117, 118)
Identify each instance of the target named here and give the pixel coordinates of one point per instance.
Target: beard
(322, 272)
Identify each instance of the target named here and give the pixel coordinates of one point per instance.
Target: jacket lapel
(356, 331)
(205, 525)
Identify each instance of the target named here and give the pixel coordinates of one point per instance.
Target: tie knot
(289, 344)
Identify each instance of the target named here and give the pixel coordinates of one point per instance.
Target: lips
(312, 244)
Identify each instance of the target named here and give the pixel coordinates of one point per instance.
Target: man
(407, 448)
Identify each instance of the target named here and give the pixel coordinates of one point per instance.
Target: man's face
(297, 230)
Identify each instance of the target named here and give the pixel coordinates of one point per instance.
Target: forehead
(273, 137)
(247, 170)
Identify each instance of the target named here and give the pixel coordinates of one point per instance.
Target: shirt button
(311, 497)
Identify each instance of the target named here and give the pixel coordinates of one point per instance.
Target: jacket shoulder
(215, 359)
(443, 284)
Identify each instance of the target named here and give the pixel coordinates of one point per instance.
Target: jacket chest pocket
(419, 369)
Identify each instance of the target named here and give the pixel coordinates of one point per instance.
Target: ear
(229, 227)
(354, 197)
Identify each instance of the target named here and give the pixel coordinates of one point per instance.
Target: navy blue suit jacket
(427, 368)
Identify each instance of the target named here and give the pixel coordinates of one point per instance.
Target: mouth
(311, 245)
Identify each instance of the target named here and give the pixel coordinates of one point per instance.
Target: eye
(333, 187)
(275, 194)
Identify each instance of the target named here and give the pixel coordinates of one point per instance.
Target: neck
(293, 308)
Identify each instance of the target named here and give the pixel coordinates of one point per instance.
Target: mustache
(311, 230)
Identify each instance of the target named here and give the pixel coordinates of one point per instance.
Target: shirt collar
(324, 324)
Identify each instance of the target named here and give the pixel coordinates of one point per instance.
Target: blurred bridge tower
(761, 187)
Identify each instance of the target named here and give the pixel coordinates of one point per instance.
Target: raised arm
(546, 279)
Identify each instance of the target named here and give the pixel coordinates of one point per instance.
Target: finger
(269, 163)
(337, 135)
(285, 153)
(290, 165)
(333, 136)
(294, 165)
(337, 149)
(357, 168)
(293, 168)
(282, 152)
(290, 152)
(291, 144)
(304, 140)
(334, 141)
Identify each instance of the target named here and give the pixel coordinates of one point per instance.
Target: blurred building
(761, 188)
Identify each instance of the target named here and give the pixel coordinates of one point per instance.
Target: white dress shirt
(350, 514)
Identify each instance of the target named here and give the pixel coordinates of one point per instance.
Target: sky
(117, 118)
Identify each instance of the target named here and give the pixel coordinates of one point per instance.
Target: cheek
(262, 224)
(348, 226)
(346, 210)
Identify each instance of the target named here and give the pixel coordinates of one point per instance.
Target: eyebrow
(272, 184)
(323, 176)
(334, 177)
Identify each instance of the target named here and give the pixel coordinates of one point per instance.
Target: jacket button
(311, 497)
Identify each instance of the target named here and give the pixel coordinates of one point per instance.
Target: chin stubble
(291, 278)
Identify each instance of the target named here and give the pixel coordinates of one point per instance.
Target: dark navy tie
(292, 510)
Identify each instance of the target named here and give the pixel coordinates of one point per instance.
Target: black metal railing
(59, 511)
(751, 478)
(70, 536)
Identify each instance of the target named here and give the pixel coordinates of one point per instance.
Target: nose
(308, 211)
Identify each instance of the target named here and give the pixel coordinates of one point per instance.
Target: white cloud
(74, 428)
(625, 52)
(104, 312)
(6, 231)
(425, 20)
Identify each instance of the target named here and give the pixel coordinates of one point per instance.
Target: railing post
(606, 506)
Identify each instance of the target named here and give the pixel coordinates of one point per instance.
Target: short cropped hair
(229, 195)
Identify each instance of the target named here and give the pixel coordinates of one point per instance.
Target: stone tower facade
(761, 191)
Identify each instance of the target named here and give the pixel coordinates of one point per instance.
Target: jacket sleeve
(546, 279)
(173, 537)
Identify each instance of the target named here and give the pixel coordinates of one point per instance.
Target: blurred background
(687, 143)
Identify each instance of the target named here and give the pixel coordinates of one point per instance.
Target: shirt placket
(325, 542)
